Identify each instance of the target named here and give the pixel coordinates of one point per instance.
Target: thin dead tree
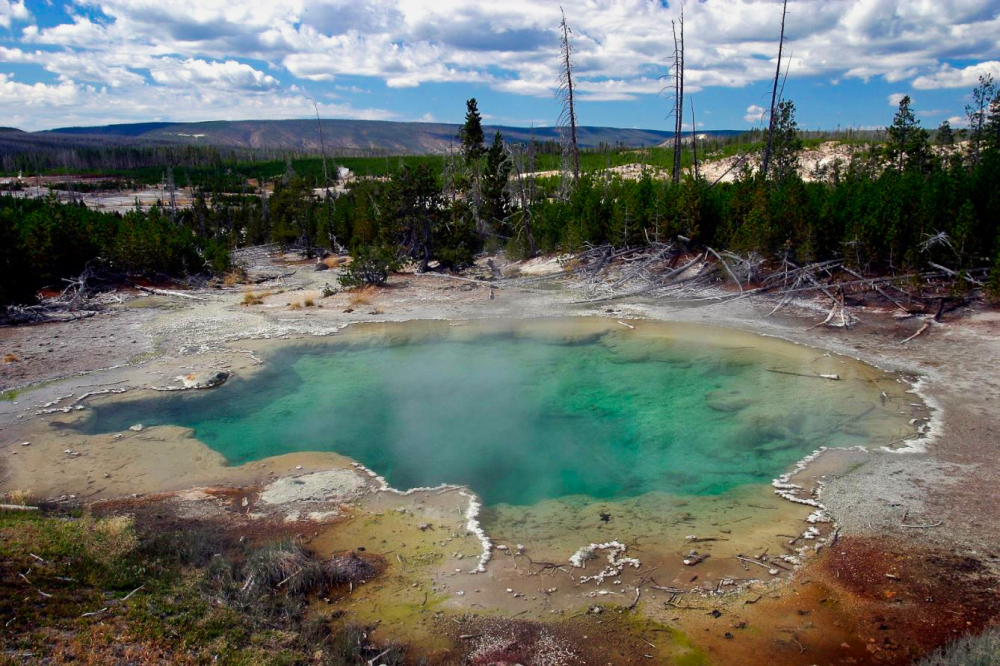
(567, 118)
(765, 161)
(678, 67)
(172, 193)
(326, 179)
(522, 185)
(694, 141)
(322, 147)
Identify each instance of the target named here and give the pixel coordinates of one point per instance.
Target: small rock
(136, 428)
(423, 527)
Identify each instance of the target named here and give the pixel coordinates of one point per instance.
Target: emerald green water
(522, 415)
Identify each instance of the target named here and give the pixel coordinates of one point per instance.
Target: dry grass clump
(250, 298)
(109, 539)
(364, 296)
(352, 568)
(17, 498)
(10, 358)
(334, 261)
(295, 305)
(309, 302)
(234, 277)
(512, 271)
(283, 567)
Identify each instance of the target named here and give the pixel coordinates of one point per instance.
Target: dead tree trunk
(694, 142)
(523, 184)
(678, 94)
(568, 116)
(322, 148)
(764, 163)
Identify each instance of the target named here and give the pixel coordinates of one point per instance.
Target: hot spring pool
(528, 411)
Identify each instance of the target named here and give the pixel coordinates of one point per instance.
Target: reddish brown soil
(907, 601)
(844, 609)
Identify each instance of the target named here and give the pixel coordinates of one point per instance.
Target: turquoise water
(521, 417)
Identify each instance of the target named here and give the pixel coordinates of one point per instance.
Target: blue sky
(103, 61)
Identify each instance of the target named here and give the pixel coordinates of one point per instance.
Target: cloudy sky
(102, 61)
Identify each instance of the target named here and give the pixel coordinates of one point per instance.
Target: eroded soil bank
(923, 584)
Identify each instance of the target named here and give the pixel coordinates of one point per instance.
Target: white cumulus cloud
(754, 114)
(13, 11)
(37, 94)
(620, 46)
(952, 77)
(196, 72)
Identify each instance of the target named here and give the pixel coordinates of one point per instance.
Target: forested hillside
(895, 208)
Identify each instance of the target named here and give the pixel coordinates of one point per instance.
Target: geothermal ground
(907, 541)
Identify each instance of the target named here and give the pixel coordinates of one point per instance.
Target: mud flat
(921, 515)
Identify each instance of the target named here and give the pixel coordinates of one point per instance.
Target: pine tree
(496, 199)
(984, 97)
(785, 142)
(471, 134)
(473, 147)
(944, 135)
(908, 141)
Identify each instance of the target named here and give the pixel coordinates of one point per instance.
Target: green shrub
(370, 265)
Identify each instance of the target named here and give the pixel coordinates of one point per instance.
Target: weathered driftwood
(17, 507)
(920, 331)
(169, 292)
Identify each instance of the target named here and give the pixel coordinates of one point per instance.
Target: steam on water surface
(525, 414)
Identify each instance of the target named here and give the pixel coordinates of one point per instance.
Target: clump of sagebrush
(982, 650)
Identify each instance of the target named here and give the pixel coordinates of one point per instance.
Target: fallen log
(17, 507)
(923, 328)
(169, 292)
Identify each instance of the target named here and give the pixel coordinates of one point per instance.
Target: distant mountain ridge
(351, 135)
